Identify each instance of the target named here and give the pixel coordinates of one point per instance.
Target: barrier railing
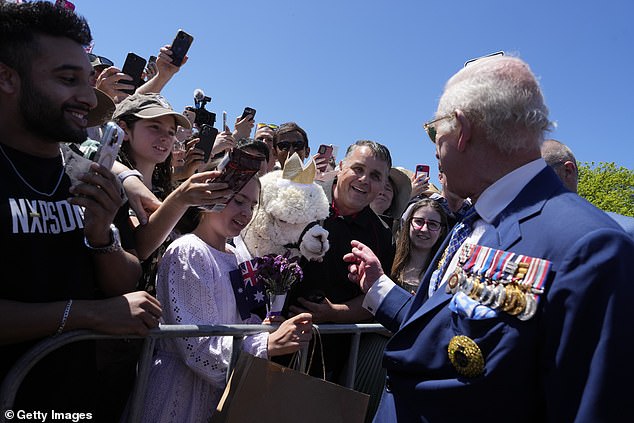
(21, 368)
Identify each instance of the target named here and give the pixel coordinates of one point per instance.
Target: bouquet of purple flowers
(278, 273)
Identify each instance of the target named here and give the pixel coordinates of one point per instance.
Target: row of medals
(510, 294)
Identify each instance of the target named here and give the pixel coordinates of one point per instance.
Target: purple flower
(278, 273)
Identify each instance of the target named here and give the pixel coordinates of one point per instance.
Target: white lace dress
(188, 374)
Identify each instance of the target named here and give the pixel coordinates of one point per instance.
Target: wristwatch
(115, 244)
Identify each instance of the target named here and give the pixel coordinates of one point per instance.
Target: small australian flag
(248, 292)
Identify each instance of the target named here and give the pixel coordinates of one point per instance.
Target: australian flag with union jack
(248, 292)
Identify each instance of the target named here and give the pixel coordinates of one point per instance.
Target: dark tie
(460, 232)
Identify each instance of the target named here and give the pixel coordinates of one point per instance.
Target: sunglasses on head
(497, 53)
(286, 145)
(99, 60)
(268, 125)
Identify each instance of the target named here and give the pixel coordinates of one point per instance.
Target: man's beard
(43, 118)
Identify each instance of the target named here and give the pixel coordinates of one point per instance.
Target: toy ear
(295, 171)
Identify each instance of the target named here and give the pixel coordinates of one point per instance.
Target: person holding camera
(63, 238)
(529, 299)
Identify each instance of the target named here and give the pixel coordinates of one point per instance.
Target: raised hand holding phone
(134, 66)
(248, 111)
(180, 47)
(421, 169)
(324, 153)
(110, 144)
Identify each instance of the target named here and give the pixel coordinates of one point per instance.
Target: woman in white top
(188, 374)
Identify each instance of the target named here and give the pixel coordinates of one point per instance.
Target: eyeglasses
(99, 60)
(431, 129)
(286, 145)
(419, 222)
(268, 125)
(497, 53)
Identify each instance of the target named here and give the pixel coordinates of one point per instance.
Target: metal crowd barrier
(18, 372)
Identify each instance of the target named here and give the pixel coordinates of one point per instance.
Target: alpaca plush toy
(288, 216)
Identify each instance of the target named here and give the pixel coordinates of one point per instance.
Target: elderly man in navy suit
(526, 315)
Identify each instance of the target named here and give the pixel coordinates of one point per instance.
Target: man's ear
(465, 130)
(9, 79)
(571, 171)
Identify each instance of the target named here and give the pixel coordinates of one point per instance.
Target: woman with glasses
(424, 228)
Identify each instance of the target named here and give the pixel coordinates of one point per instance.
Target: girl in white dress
(188, 374)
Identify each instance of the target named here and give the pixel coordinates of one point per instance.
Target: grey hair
(555, 152)
(379, 151)
(501, 97)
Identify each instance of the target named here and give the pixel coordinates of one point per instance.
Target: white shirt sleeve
(377, 293)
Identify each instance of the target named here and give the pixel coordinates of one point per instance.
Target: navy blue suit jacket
(565, 364)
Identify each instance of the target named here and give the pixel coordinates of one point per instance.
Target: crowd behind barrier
(12, 382)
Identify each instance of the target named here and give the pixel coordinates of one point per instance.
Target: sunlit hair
(290, 127)
(255, 146)
(554, 153)
(21, 23)
(403, 240)
(379, 151)
(501, 97)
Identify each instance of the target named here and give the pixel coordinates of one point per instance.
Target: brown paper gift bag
(262, 391)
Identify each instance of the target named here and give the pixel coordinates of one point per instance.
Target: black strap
(306, 229)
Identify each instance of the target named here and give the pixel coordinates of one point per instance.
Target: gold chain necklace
(17, 172)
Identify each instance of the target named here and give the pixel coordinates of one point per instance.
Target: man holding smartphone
(63, 243)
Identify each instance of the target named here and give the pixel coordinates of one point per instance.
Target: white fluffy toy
(288, 216)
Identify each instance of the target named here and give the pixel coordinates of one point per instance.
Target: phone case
(133, 66)
(238, 167)
(110, 144)
(180, 46)
(207, 137)
(248, 111)
(421, 169)
(324, 151)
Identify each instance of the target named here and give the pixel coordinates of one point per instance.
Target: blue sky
(349, 70)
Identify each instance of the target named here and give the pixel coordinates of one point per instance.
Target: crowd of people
(504, 284)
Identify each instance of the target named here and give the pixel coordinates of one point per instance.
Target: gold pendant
(466, 356)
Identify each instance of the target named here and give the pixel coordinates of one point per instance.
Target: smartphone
(420, 169)
(224, 121)
(248, 111)
(152, 59)
(134, 66)
(207, 136)
(325, 151)
(180, 46)
(238, 167)
(109, 146)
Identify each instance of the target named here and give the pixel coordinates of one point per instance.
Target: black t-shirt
(331, 275)
(44, 259)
